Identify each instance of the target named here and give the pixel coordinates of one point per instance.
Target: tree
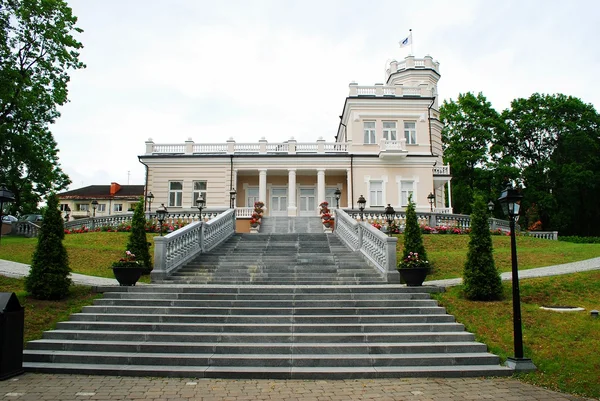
(49, 274)
(138, 243)
(413, 239)
(481, 279)
(37, 50)
(470, 126)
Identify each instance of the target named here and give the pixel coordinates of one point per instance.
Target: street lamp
(6, 196)
(67, 211)
(232, 194)
(509, 200)
(338, 195)
(490, 206)
(361, 205)
(161, 214)
(390, 213)
(431, 199)
(94, 206)
(200, 203)
(149, 199)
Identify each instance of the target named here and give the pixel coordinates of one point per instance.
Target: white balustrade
(244, 212)
(169, 148)
(441, 170)
(551, 235)
(210, 148)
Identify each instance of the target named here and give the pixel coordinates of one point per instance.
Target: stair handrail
(174, 250)
(376, 248)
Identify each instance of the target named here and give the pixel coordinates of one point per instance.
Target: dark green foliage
(413, 239)
(49, 274)
(481, 279)
(37, 50)
(138, 244)
(580, 240)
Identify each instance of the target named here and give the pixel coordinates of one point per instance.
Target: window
(369, 129)
(406, 189)
(118, 207)
(199, 190)
(410, 132)
(176, 193)
(63, 207)
(376, 193)
(389, 130)
(101, 207)
(251, 196)
(84, 207)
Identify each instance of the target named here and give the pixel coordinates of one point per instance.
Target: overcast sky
(210, 70)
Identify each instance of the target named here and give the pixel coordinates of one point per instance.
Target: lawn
(563, 345)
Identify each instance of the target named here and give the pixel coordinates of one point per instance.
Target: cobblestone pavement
(31, 386)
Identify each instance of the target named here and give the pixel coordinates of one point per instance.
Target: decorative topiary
(482, 281)
(49, 274)
(138, 243)
(413, 240)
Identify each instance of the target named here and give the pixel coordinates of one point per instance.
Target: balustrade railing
(26, 228)
(244, 212)
(177, 248)
(552, 235)
(376, 247)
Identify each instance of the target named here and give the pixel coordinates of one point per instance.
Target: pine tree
(49, 274)
(413, 239)
(482, 281)
(138, 243)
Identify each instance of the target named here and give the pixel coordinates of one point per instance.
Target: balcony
(392, 148)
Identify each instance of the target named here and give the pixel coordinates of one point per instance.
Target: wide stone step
(268, 296)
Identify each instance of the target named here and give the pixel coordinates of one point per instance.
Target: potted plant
(325, 214)
(127, 270)
(255, 220)
(414, 266)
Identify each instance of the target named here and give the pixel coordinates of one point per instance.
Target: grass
(564, 346)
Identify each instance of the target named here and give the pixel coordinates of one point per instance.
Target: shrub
(49, 274)
(138, 244)
(481, 279)
(413, 240)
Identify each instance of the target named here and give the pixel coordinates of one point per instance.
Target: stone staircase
(282, 259)
(286, 332)
(291, 225)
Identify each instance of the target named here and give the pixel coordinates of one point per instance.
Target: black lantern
(94, 206)
(509, 201)
(6, 196)
(161, 215)
(431, 199)
(67, 211)
(491, 206)
(390, 214)
(200, 203)
(361, 205)
(232, 194)
(338, 195)
(149, 199)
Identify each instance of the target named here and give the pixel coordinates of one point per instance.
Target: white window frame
(118, 207)
(175, 195)
(250, 197)
(101, 208)
(389, 131)
(197, 191)
(369, 132)
(376, 194)
(83, 207)
(410, 133)
(407, 188)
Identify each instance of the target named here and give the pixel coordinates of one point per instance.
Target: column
(349, 188)
(450, 197)
(321, 185)
(262, 186)
(292, 209)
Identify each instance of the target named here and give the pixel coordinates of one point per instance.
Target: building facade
(99, 200)
(388, 146)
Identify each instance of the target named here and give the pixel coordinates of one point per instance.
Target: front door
(278, 206)
(308, 202)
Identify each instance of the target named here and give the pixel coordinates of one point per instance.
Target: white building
(387, 146)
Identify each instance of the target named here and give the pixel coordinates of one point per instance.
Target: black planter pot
(127, 276)
(413, 277)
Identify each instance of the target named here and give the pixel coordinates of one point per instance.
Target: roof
(103, 191)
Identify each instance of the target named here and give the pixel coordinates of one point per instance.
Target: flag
(406, 41)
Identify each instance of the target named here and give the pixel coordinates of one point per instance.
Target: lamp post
(509, 200)
(149, 199)
(232, 194)
(200, 203)
(431, 199)
(338, 195)
(390, 213)
(6, 196)
(94, 206)
(361, 205)
(67, 211)
(161, 214)
(491, 206)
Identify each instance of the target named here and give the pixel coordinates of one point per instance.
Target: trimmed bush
(138, 244)
(481, 279)
(49, 274)
(413, 239)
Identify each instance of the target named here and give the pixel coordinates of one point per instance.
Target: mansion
(388, 146)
